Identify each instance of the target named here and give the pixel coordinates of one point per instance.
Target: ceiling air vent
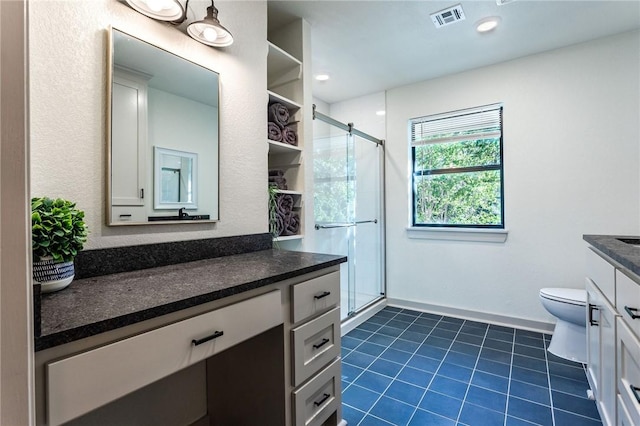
(448, 16)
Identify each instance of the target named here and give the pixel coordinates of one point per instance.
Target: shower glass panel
(347, 209)
(334, 189)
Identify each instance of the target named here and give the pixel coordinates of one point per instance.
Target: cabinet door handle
(196, 342)
(631, 312)
(591, 309)
(322, 295)
(325, 396)
(321, 344)
(635, 390)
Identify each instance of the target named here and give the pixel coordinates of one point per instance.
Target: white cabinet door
(128, 140)
(593, 337)
(601, 335)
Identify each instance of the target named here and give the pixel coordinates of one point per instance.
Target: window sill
(459, 234)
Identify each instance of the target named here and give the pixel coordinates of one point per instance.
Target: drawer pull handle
(196, 342)
(631, 312)
(635, 390)
(321, 344)
(591, 309)
(325, 397)
(322, 295)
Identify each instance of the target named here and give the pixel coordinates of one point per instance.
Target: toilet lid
(567, 295)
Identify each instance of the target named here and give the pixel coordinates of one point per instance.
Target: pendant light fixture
(161, 10)
(208, 31)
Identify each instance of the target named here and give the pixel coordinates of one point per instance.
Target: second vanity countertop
(628, 255)
(95, 305)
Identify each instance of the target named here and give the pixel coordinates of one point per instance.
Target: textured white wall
(571, 161)
(68, 72)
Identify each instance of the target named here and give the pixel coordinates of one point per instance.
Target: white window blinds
(469, 124)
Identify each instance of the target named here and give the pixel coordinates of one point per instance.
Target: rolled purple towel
(278, 114)
(284, 204)
(290, 136)
(292, 224)
(275, 132)
(276, 172)
(278, 182)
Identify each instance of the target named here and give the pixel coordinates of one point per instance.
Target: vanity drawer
(81, 383)
(628, 301)
(314, 344)
(602, 273)
(128, 214)
(314, 402)
(629, 371)
(314, 296)
(624, 418)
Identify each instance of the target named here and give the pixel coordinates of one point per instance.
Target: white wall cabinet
(613, 334)
(128, 147)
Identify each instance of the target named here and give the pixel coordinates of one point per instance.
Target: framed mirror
(163, 138)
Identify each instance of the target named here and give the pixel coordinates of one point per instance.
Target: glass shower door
(334, 190)
(367, 234)
(347, 206)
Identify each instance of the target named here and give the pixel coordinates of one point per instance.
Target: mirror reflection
(175, 179)
(164, 136)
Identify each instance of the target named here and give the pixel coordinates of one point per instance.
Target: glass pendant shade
(162, 10)
(209, 31)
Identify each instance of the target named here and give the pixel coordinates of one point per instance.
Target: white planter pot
(53, 276)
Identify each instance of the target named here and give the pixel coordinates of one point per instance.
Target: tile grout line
(426, 388)
(546, 360)
(475, 366)
(513, 349)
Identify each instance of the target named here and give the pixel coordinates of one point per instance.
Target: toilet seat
(571, 296)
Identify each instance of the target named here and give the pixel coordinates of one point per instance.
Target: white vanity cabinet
(613, 339)
(267, 356)
(601, 341)
(316, 372)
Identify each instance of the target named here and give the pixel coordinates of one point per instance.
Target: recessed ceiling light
(322, 77)
(487, 24)
(381, 112)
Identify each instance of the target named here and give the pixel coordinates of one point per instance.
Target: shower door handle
(343, 224)
(591, 320)
(335, 225)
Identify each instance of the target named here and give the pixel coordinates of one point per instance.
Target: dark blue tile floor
(404, 367)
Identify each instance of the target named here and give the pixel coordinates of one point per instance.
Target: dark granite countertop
(95, 305)
(627, 255)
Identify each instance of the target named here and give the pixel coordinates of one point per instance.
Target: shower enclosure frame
(352, 131)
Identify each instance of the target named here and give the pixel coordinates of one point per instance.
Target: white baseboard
(351, 323)
(520, 323)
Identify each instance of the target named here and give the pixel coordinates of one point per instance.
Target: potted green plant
(58, 233)
(273, 199)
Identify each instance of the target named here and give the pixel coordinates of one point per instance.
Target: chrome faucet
(182, 214)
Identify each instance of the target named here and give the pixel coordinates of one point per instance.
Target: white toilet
(569, 338)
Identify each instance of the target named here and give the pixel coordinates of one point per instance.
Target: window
(457, 177)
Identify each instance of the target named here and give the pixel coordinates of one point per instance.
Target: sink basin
(630, 241)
